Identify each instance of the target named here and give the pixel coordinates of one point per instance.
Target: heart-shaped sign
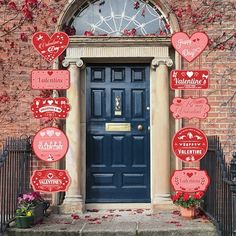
(50, 47)
(189, 47)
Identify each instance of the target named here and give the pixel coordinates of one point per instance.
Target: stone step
(128, 223)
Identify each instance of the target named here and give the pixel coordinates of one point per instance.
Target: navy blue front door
(118, 160)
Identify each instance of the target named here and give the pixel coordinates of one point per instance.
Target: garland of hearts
(50, 144)
(189, 144)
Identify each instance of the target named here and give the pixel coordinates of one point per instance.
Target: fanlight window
(119, 18)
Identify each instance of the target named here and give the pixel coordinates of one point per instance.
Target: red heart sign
(50, 47)
(189, 47)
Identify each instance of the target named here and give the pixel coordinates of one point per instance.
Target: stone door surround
(155, 51)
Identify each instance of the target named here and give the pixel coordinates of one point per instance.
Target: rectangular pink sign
(50, 79)
(189, 79)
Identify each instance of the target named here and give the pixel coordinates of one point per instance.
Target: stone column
(160, 132)
(74, 201)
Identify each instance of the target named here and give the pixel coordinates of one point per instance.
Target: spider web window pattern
(118, 18)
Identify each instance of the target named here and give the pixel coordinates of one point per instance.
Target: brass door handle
(140, 127)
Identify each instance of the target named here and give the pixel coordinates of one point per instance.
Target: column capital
(76, 61)
(161, 60)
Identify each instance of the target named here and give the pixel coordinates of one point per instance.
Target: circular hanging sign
(50, 144)
(190, 144)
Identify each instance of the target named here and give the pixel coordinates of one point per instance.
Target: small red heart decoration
(189, 175)
(50, 72)
(50, 47)
(50, 175)
(189, 47)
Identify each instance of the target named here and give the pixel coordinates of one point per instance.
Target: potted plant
(188, 203)
(32, 204)
(24, 217)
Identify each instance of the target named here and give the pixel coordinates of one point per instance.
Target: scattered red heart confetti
(176, 213)
(93, 210)
(93, 219)
(178, 225)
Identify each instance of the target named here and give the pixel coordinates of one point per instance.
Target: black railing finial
(233, 167)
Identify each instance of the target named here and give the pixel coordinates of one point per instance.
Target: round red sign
(50, 144)
(190, 144)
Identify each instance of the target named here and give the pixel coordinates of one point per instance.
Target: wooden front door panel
(118, 159)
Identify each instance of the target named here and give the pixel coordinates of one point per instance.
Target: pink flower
(20, 199)
(28, 197)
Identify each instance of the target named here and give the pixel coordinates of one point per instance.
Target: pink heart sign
(50, 47)
(190, 180)
(189, 47)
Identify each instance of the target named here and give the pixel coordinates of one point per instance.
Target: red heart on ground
(189, 47)
(189, 175)
(50, 47)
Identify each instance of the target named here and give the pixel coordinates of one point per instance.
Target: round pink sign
(50, 144)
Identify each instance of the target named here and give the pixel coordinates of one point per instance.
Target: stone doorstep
(124, 223)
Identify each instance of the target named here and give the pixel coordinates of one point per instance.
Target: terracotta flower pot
(187, 212)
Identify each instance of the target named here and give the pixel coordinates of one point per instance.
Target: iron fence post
(233, 189)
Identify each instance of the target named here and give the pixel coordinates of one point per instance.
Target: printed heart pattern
(42, 134)
(189, 175)
(189, 74)
(50, 47)
(50, 133)
(189, 47)
(50, 102)
(50, 175)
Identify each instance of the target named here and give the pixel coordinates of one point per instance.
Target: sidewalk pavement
(128, 222)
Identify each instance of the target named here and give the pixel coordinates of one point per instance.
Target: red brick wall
(18, 59)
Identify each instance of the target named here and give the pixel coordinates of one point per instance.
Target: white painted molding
(77, 61)
(160, 60)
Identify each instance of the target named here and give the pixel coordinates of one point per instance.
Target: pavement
(138, 222)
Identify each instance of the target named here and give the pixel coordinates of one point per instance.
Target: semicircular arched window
(119, 18)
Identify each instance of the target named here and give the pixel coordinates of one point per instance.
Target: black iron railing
(15, 168)
(220, 199)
